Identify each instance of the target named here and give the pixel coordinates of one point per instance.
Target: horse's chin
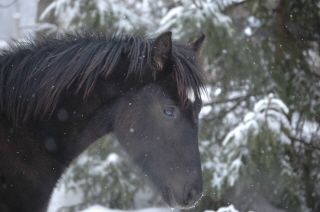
(169, 198)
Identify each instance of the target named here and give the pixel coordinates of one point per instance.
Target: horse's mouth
(169, 197)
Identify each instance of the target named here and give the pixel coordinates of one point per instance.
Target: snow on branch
(71, 14)
(270, 112)
(196, 12)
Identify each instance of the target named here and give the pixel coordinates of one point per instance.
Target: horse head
(161, 137)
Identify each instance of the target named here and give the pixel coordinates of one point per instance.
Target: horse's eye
(169, 111)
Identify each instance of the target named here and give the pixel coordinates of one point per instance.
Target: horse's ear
(161, 50)
(197, 43)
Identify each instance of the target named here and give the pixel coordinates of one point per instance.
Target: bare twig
(309, 144)
(241, 98)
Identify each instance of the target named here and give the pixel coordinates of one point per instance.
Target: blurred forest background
(260, 124)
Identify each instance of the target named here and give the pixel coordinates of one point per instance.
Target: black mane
(34, 74)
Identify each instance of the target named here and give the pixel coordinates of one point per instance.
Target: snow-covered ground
(229, 208)
(61, 198)
(98, 208)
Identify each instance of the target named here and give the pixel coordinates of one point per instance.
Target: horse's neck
(66, 134)
(100, 124)
(32, 158)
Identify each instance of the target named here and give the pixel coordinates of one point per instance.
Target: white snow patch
(3, 44)
(113, 158)
(229, 208)
(205, 111)
(248, 31)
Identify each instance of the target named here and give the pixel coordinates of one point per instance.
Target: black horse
(59, 95)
